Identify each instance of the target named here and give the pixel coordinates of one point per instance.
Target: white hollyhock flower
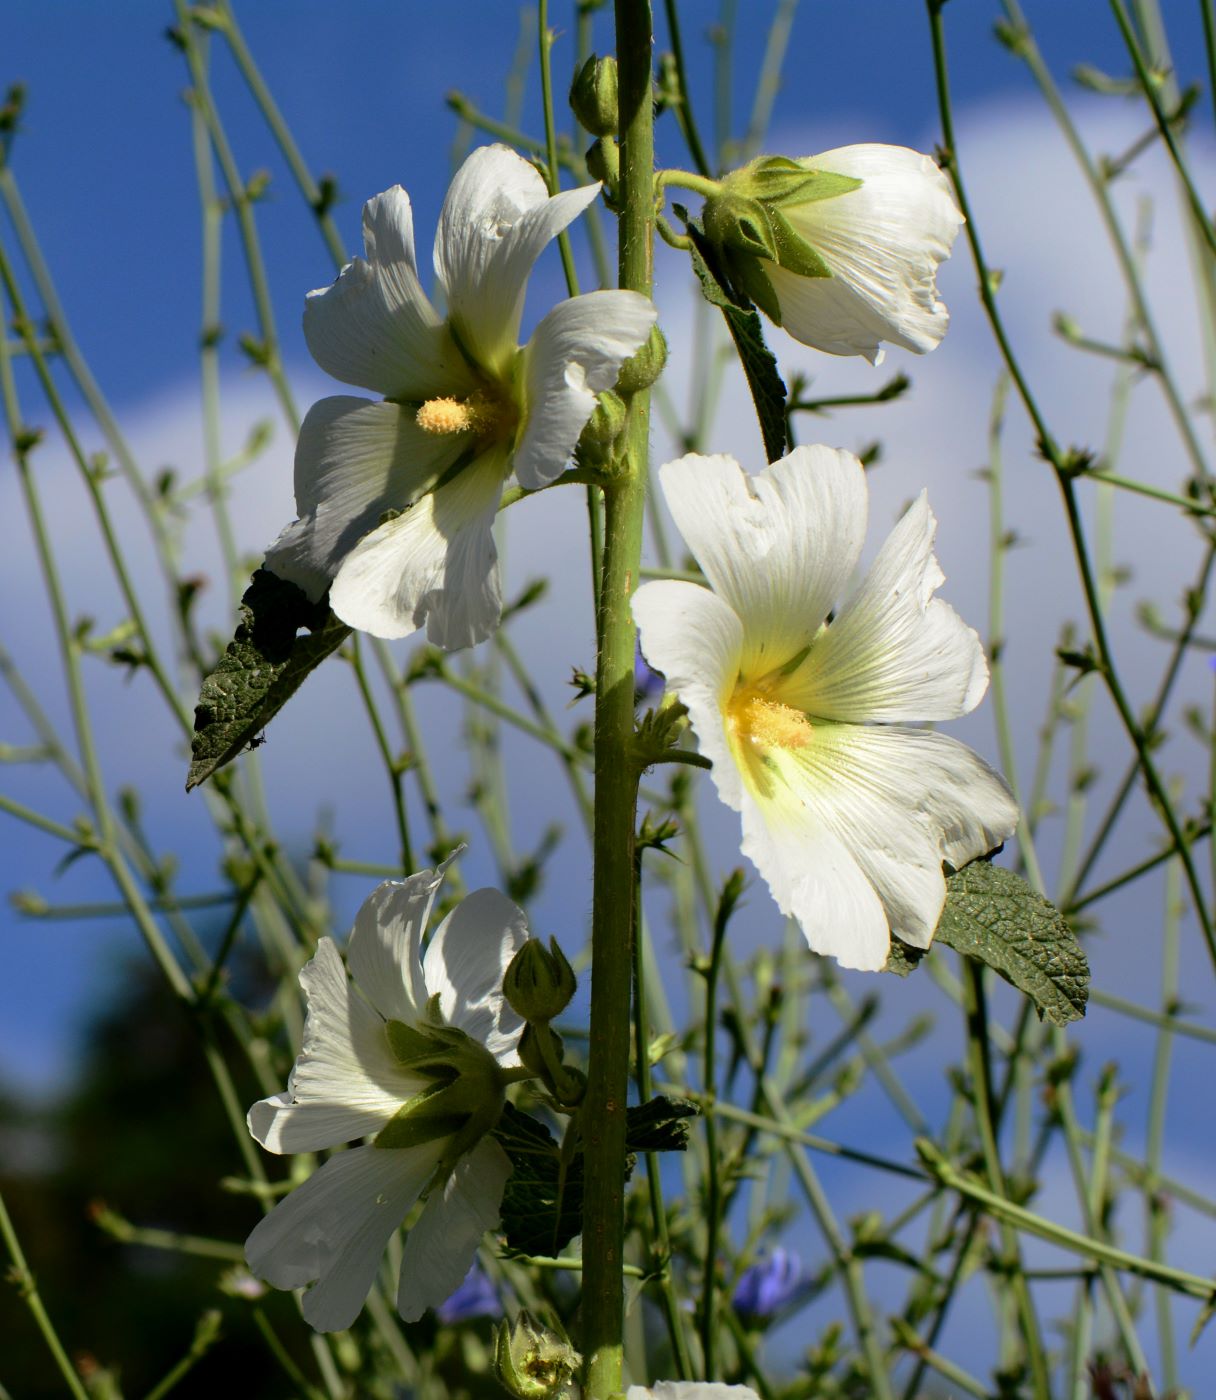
(879, 244)
(847, 813)
(396, 498)
(690, 1390)
(413, 1053)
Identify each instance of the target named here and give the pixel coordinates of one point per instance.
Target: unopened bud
(593, 96)
(605, 424)
(642, 369)
(604, 161)
(539, 983)
(532, 1362)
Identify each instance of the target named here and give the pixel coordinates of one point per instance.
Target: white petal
(354, 460)
(335, 1227)
(575, 353)
(894, 652)
(883, 243)
(385, 949)
(374, 326)
(691, 636)
(901, 801)
(465, 963)
(440, 1249)
(778, 547)
(814, 879)
(496, 219)
(436, 564)
(346, 1082)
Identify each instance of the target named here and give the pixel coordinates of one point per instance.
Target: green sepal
(423, 1052)
(749, 277)
(741, 224)
(794, 253)
(408, 1128)
(261, 669)
(779, 181)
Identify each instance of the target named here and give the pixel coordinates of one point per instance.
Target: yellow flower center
(764, 723)
(479, 413)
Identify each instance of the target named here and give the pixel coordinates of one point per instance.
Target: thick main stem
(615, 773)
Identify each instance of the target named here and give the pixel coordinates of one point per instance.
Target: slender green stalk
(392, 763)
(713, 1193)
(27, 1289)
(615, 774)
(981, 1088)
(688, 122)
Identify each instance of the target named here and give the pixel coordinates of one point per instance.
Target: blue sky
(104, 162)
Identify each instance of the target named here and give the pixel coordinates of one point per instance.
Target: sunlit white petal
(335, 1227)
(345, 1081)
(435, 565)
(690, 1390)
(385, 948)
(777, 547)
(355, 460)
(441, 1247)
(883, 243)
(894, 652)
(374, 326)
(465, 964)
(575, 353)
(496, 219)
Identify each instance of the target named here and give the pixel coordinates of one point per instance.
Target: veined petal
(575, 353)
(335, 1227)
(436, 564)
(894, 652)
(385, 949)
(883, 243)
(690, 1390)
(374, 326)
(345, 1082)
(814, 878)
(902, 801)
(355, 459)
(496, 219)
(778, 547)
(465, 963)
(696, 641)
(441, 1247)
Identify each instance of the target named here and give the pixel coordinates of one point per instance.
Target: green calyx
(539, 982)
(532, 1362)
(593, 96)
(462, 1094)
(749, 221)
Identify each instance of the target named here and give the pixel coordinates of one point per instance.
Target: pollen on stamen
(445, 416)
(769, 724)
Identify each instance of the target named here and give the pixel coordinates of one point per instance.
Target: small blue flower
(768, 1286)
(476, 1297)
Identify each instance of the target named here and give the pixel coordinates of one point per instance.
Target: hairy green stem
(616, 777)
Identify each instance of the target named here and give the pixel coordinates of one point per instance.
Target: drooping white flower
(847, 812)
(690, 1390)
(413, 1053)
(396, 498)
(879, 240)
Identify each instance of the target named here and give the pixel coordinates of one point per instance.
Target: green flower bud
(539, 983)
(642, 369)
(593, 96)
(604, 162)
(604, 426)
(532, 1362)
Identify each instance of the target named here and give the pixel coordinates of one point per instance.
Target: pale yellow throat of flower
(762, 732)
(480, 413)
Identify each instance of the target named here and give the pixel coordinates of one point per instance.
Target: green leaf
(993, 915)
(659, 1125)
(261, 669)
(542, 1206)
(903, 959)
(763, 379)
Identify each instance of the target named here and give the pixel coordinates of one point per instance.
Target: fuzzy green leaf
(542, 1206)
(903, 958)
(993, 915)
(759, 365)
(262, 667)
(659, 1125)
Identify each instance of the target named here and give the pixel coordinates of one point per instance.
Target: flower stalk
(616, 776)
